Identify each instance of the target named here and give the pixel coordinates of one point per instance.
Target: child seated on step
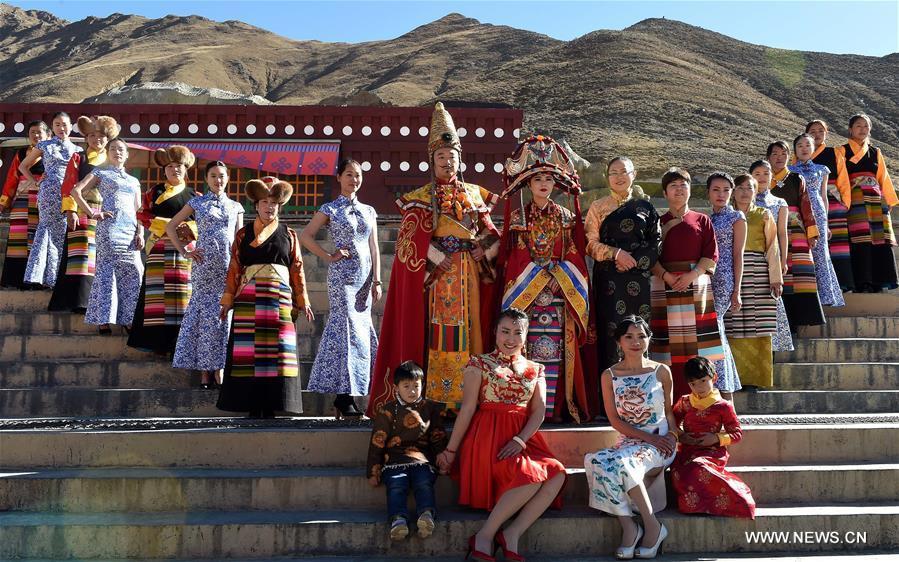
(407, 435)
(709, 425)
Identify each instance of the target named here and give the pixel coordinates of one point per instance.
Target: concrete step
(854, 327)
(229, 534)
(875, 305)
(794, 440)
(153, 490)
(776, 402)
(90, 373)
(70, 402)
(27, 323)
(60, 348)
(845, 350)
(836, 376)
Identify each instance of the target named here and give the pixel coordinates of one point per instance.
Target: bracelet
(520, 441)
(378, 283)
(615, 257)
(450, 451)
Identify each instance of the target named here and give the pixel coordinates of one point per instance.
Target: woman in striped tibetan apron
(21, 202)
(871, 237)
(166, 288)
(749, 329)
(839, 199)
(684, 323)
(115, 287)
(50, 235)
(79, 254)
(800, 282)
(266, 289)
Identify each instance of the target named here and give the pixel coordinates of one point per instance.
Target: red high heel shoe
(507, 554)
(476, 554)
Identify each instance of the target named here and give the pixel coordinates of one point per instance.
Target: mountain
(664, 92)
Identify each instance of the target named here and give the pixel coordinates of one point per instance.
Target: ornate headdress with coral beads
(175, 153)
(105, 124)
(539, 154)
(443, 132)
(269, 187)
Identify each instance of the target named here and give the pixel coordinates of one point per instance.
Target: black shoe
(345, 407)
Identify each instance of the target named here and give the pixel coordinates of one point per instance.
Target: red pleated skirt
(483, 478)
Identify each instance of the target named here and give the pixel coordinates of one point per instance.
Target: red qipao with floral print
(506, 390)
(698, 472)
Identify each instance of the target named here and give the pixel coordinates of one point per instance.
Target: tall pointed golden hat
(443, 131)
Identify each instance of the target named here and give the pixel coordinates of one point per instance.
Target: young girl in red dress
(710, 425)
(504, 464)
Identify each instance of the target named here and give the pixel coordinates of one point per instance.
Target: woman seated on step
(630, 476)
(504, 465)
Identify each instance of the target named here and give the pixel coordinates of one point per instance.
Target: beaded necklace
(544, 226)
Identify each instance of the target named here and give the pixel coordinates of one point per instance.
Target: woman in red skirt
(495, 435)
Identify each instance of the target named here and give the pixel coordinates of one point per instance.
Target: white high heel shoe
(627, 552)
(645, 552)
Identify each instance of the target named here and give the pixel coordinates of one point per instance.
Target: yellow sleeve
(885, 182)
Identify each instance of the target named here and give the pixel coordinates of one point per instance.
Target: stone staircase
(107, 453)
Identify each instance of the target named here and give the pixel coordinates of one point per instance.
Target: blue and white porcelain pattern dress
(782, 340)
(828, 285)
(119, 269)
(640, 402)
(346, 354)
(203, 339)
(723, 286)
(43, 258)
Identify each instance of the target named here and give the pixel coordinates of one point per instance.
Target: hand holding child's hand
(374, 481)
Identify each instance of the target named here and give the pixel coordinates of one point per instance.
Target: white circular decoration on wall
(385, 131)
(347, 130)
(174, 128)
(404, 130)
(463, 166)
(289, 130)
(270, 129)
(309, 129)
(212, 129)
(385, 166)
(154, 128)
(515, 133)
(479, 167)
(404, 166)
(2, 127)
(423, 131)
(232, 129)
(461, 131)
(135, 128)
(480, 132)
(423, 166)
(328, 129)
(498, 133)
(193, 129)
(366, 130)
(498, 168)
(366, 166)
(18, 127)
(251, 129)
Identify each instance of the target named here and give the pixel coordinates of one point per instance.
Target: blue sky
(867, 28)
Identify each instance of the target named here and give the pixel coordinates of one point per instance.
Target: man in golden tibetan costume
(442, 274)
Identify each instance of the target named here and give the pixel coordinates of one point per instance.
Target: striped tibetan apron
(264, 335)
(168, 286)
(684, 324)
(23, 219)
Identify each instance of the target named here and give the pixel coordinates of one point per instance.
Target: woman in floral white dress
(637, 393)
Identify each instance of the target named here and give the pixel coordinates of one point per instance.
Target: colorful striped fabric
(869, 219)
(800, 276)
(23, 219)
(264, 335)
(758, 315)
(168, 287)
(81, 258)
(838, 224)
(684, 324)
